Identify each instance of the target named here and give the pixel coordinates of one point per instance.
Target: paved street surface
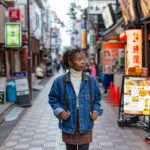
(38, 130)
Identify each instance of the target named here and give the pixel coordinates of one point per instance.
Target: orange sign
(83, 39)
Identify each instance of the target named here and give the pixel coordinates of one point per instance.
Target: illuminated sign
(136, 95)
(134, 49)
(144, 8)
(13, 36)
(14, 14)
(128, 10)
(83, 39)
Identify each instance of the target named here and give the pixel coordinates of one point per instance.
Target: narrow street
(38, 130)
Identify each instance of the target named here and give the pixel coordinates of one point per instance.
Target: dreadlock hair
(68, 56)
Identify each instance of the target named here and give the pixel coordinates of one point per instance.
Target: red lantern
(123, 36)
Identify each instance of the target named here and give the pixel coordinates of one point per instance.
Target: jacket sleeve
(97, 100)
(54, 99)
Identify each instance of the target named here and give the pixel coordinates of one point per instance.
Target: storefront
(112, 55)
(2, 51)
(35, 48)
(136, 16)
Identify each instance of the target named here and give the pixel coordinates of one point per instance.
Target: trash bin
(11, 91)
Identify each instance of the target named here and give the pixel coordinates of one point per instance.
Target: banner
(83, 39)
(133, 49)
(136, 95)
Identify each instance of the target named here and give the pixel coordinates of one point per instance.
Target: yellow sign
(136, 95)
(83, 39)
(13, 36)
(133, 49)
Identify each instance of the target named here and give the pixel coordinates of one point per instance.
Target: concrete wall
(2, 23)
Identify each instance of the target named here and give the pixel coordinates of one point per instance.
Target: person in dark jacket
(75, 99)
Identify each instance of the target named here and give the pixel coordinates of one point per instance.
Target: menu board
(23, 93)
(22, 87)
(136, 95)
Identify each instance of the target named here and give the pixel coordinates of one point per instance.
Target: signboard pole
(29, 50)
(121, 103)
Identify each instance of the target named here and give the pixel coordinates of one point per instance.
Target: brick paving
(37, 130)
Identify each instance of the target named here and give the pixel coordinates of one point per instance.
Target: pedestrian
(58, 65)
(75, 99)
(92, 67)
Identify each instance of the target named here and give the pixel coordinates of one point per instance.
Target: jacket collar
(67, 77)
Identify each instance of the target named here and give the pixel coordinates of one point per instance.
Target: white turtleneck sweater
(76, 77)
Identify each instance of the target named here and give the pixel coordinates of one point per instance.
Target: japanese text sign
(13, 36)
(137, 95)
(14, 14)
(134, 48)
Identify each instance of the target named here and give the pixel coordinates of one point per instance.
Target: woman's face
(78, 62)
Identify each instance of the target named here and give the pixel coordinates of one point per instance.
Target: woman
(92, 68)
(71, 98)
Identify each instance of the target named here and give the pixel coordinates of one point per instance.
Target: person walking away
(76, 101)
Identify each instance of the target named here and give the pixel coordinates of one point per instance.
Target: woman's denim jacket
(59, 103)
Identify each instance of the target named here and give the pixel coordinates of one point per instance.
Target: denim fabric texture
(59, 103)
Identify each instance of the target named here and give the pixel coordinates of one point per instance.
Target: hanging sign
(14, 14)
(134, 49)
(136, 95)
(23, 13)
(108, 16)
(144, 6)
(9, 0)
(13, 35)
(83, 39)
(128, 10)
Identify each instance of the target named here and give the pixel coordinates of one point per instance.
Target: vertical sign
(91, 37)
(83, 39)
(22, 15)
(13, 36)
(134, 49)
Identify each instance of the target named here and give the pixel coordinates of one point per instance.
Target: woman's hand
(64, 115)
(93, 116)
